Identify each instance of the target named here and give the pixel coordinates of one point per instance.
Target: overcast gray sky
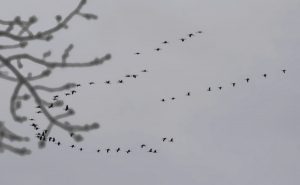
(245, 135)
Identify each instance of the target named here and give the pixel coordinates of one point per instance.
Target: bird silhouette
(247, 79)
(67, 94)
(143, 145)
(265, 75)
(98, 150)
(71, 134)
(171, 140)
(163, 100)
(155, 151)
(78, 85)
(233, 84)
(31, 119)
(58, 143)
(144, 70)
(73, 92)
(220, 87)
(67, 108)
(120, 81)
(38, 106)
(92, 83)
(209, 89)
(188, 94)
(127, 76)
(128, 151)
(81, 149)
(190, 35)
(157, 49)
(163, 139)
(118, 149)
(107, 150)
(39, 112)
(165, 42)
(134, 76)
(50, 106)
(137, 53)
(107, 82)
(173, 98)
(150, 150)
(182, 39)
(72, 146)
(49, 139)
(284, 70)
(33, 124)
(55, 97)
(199, 31)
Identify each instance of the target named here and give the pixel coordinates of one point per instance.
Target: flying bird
(38, 106)
(128, 151)
(137, 53)
(58, 143)
(67, 94)
(163, 139)
(72, 146)
(171, 140)
(209, 89)
(78, 85)
(143, 145)
(220, 87)
(155, 151)
(188, 94)
(107, 150)
(233, 84)
(81, 149)
(118, 149)
(107, 82)
(150, 150)
(199, 31)
(67, 108)
(190, 35)
(120, 81)
(165, 42)
(284, 70)
(50, 106)
(98, 150)
(39, 112)
(127, 76)
(182, 39)
(31, 119)
(73, 92)
(163, 100)
(72, 134)
(134, 76)
(173, 98)
(247, 79)
(157, 49)
(92, 83)
(265, 75)
(144, 70)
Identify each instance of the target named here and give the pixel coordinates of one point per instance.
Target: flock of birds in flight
(42, 135)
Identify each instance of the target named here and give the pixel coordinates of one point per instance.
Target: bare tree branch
(23, 37)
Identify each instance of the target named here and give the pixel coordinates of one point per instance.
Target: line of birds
(182, 39)
(233, 84)
(42, 136)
